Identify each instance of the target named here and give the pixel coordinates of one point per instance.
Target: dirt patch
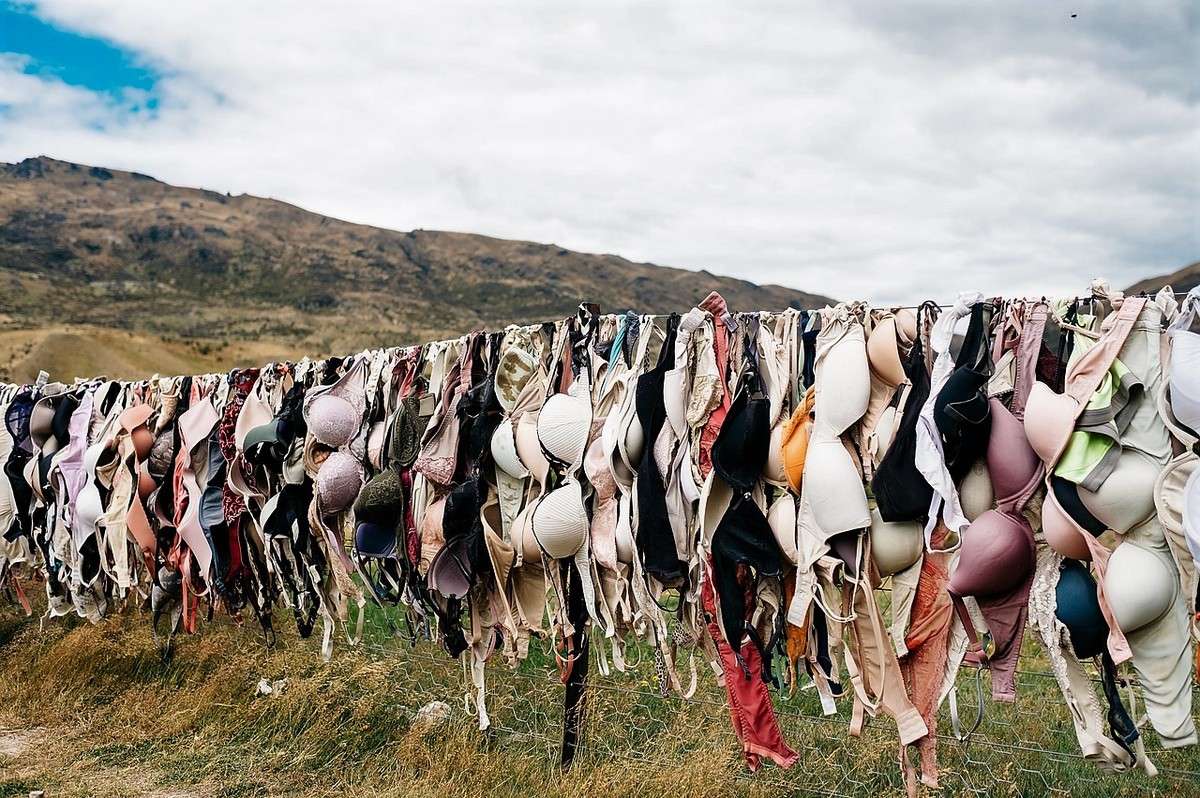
(16, 742)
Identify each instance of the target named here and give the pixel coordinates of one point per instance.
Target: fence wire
(1025, 748)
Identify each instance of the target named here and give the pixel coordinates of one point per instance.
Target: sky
(884, 151)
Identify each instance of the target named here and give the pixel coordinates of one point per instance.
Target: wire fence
(1025, 748)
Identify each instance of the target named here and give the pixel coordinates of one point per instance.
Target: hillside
(84, 245)
(1182, 281)
(71, 351)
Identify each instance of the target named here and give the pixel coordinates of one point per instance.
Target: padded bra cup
(62, 417)
(961, 402)
(41, 424)
(256, 412)
(332, 420)
(504, 451)
(834, 486)
(564, 424)
(88, 509)
(160, 460)
(745, 536)
(845, 387)
(1012, 462)
(1049, 421)
(742, 446)
(522, 536)
(375, 540)
(635, 442)
(1059, 527)
(996, 556)
(514, 370)
(894, 546)
(975, 492)
(338, 482)
(782, 519)
(1139, 586)
(884, 355)
(529, 448)
(143, 441)
(832, 480)
(1079, 610)
(560, 522)
(1185, 379)
(92, 455)
(146, 483)
(774, 471)
(885, 429)
(450, 570)
(906, 323)
(1126, 499)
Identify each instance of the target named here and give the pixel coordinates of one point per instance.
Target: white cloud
(853, 150)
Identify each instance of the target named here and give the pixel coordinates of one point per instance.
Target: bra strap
(1095, 363)
(1029, 347)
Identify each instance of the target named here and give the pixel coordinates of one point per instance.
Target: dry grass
(71, 351)
(92, 711)
(97, 713)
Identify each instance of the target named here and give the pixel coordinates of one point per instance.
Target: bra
(794, 445)
(975, 491)
(381, 500)
(334, 414)
(564, 425)
(743, 443)
(338, 482)
(961, 410)
(45, 431)
(782, 518)
(513, 371)
(895, 546)
(1079, 610)
(524, 420)
(504, 451)
(1050, 421)
(1049, 416)
(1184, 379)
(743, 537)
(901, 491)
(996, 556)
(559, 521)
(883, 346)
(832, 481)
(375, 540)
(997, 551)
(135, 421)
(1139, 585)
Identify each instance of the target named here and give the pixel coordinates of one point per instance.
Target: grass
(101, 715)
(67, 352)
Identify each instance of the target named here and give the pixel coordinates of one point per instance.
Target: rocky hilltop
(85, 246)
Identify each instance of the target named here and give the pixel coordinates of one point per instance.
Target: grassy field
(92, 711)
(78, 351)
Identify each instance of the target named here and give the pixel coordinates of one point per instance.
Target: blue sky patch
(77, 59)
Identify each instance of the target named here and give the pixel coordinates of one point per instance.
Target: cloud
(884, 151)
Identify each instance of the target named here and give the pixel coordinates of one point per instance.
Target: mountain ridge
(91, 246)
(1180, 280)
